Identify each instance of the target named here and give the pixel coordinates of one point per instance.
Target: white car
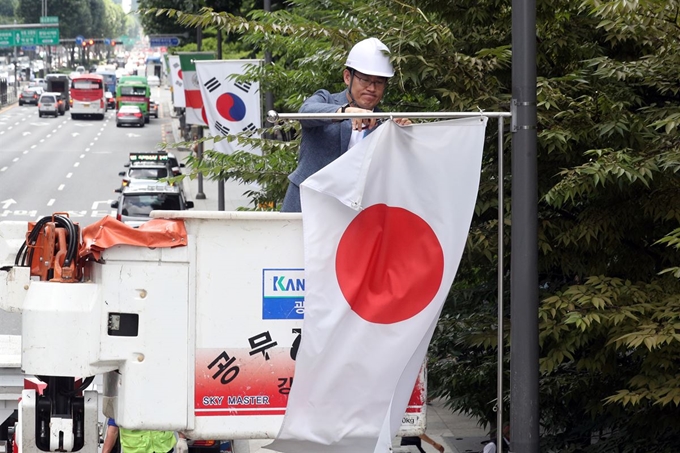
(153, 81)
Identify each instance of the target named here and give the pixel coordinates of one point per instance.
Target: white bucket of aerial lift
(199, 339)
(189, 303)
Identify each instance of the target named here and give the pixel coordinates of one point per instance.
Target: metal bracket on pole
(514, 105)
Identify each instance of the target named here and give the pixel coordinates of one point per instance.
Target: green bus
(130, 92)
(134, 78)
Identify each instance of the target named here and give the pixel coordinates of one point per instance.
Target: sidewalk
(456, 432)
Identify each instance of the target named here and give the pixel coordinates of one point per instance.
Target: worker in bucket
(142, 441)
(367, 71)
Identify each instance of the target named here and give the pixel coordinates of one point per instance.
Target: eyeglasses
(364, 82)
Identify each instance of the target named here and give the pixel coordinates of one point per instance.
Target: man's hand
(181, 446)
(360, 124)
(403, 122)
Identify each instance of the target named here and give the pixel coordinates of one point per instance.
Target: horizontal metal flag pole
(273, 116)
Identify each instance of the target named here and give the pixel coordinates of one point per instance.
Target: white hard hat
(370, 57)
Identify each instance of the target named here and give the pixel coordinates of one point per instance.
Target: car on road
(153, 81)
(48, 104)
(145, 166)
(30, 95)
(130, 115)
(153, 108)
(135, 203)
(60, 103)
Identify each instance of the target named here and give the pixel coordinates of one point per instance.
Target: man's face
(367, 90)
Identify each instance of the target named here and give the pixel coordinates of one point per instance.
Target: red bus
(88, 96)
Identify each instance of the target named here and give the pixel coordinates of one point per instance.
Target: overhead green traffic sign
(29, 37)
(49, 19)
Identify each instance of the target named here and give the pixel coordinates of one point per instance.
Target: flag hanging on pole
(192, 90)
(385, 226)
(231, 107)
(176, 81)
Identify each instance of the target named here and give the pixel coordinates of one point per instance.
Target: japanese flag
(230, 107)
(176, 81)
(385, 226)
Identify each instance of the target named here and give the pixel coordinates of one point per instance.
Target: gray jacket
(322, 142)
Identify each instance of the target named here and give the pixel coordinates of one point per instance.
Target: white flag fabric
(176, 81)
(385, 226)
(230, 107)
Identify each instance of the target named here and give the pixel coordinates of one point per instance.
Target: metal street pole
(268, 96)
(220, 182)
(200, 195)
(524, 410)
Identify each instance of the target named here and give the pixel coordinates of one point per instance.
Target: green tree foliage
(89, 18)
(161, 25)
(609, 195)
(74, 15)
(116, 20)
(7, 8)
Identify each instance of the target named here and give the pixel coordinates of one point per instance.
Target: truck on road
(60, 83)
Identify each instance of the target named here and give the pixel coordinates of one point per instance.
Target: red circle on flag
(204, 116)
(389, 264)
(179, 74)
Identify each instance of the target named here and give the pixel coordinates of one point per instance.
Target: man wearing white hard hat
(367, 71)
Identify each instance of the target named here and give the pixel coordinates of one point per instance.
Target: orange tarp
(109, 232)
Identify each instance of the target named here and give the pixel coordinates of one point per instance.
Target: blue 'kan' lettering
(283, 284)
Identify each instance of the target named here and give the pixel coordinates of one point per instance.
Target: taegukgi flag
(385, 226)
(194, 111)
(176, 81)
(231, 107)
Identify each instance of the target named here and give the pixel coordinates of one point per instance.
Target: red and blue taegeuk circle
(231, 107)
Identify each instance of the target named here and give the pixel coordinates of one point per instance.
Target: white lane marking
(15, 159)
(33, 146)
(92, 144)
(51, 202)
(82, 155)
(61, 187)
(54, 130)
(68, 175)
(96, 138)
(76, 164)
(42, 140)
(9, 127)
(87, 149)
(49, 135)
(96, 204)
(3, 168)
(2, 132)
(98, 134)
(26, 152)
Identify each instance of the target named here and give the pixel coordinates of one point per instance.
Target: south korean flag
(231, 108)
(176, 80)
